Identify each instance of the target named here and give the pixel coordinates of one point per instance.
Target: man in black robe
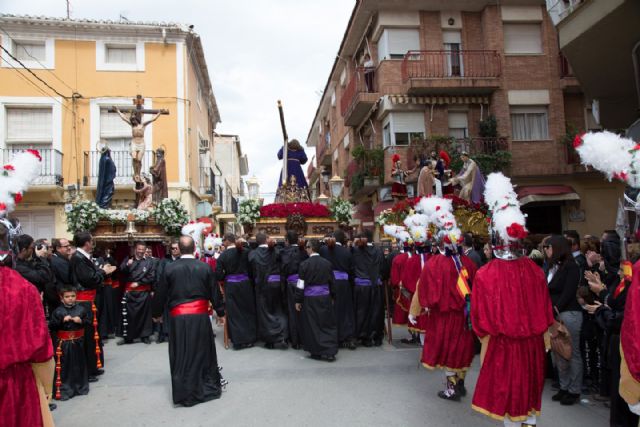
(291, 257)
(87, 278)
(314, 300)
(61, 268)
(368, 296)
(188, 289)
(109, 299)
(232, 267)
(138, 275)
(340, 258)
(265, 271)
(174, 254)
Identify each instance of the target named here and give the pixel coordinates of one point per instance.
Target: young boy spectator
(68, 322)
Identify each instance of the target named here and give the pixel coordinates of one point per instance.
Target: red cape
(26, 340)
(437, 288)
(630, 334)
(510, 298)
(397, 265)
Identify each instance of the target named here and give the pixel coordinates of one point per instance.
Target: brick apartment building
(439, 73)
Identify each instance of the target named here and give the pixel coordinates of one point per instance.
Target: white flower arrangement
(341, 210)
(116, 216)
(383, 217)
(83, 216)
(172, 215)
(248, 211)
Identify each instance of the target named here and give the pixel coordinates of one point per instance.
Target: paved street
(367, 387)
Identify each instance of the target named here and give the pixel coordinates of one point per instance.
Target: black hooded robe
(342, 265)
(291, 257)
(106, 175)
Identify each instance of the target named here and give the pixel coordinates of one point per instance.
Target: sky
(257, 51)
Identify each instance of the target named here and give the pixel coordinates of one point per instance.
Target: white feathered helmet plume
(195, 230)
(16, 177)
(507, 220)
(440, 213)
(418, 227)
(398, 232)
(611, 154)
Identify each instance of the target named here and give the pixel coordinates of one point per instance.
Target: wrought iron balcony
(124, 166)
(50, 167)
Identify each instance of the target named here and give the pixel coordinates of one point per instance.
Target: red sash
(199, 306)
(70, 335)
(86, 296)
(139, 288)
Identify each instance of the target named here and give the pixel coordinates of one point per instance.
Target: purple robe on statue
(295, 160)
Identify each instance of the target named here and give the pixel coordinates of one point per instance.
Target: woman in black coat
(563, 277)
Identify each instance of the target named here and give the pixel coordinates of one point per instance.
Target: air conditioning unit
(204, 145)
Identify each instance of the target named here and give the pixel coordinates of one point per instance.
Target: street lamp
(325, 175)
(336, 184)
(253, 187)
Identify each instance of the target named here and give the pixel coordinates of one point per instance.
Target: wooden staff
(386, 303)
(285, 149)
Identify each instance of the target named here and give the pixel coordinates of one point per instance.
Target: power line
(24, 77)
(37, 60)
(32, 73)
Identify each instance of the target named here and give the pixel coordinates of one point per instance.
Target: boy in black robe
(291, 257)
(138, 275)
(314, 300)
(67, 323)
(188, 289)
(232, 267)
(265, 271)
(340, 258)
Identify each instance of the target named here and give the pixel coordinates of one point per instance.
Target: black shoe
(329, 358)
(449, 394)
(460, 388)
(570, 399)
(296, 346)
(282, 345)
(160, 340)
(411, 340)
(269, 346)
(367, 343)
(146, 340)
(316, 357)
(377, 343)
(99, 372)
(351, 345)
(93, 379)
(559, 395)
(52, 406)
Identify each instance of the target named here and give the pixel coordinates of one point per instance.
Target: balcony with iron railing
(50, 166)
(123, 162)
(207, 181)
(451, 71)
(560, 9)
(359, 96)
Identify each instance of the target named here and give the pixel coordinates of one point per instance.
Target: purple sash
(362, 282)
(316, 290)
(293, 279)
(340, 275)
(273, 278)
(236, 278)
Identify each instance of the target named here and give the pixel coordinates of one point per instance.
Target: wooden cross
(138, 108)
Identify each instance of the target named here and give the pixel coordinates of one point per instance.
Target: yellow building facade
(58, 79)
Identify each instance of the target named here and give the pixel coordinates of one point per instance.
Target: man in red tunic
(510, 312)
(444, 291)
(26, 353)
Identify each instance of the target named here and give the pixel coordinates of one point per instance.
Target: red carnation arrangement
(517, 231)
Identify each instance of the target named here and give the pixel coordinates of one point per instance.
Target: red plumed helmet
(445, 158)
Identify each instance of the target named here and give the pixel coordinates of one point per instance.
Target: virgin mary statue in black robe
(106, 175)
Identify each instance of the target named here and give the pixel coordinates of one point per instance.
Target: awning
(381, 207)
(546, 193)
(465, 100)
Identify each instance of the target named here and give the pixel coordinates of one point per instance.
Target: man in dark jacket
(61, 268)
(33, 268)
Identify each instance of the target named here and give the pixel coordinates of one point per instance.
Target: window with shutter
(403, 127)
(119, 54)
(458, 124)
(396, 42)
(522, 38)
(29, 125)
(29, 50)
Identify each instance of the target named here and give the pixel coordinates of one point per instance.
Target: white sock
(509, 423)
(531, 420)
(422, 339)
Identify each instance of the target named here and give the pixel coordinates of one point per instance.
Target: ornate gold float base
(148, 231)
(309, 228)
